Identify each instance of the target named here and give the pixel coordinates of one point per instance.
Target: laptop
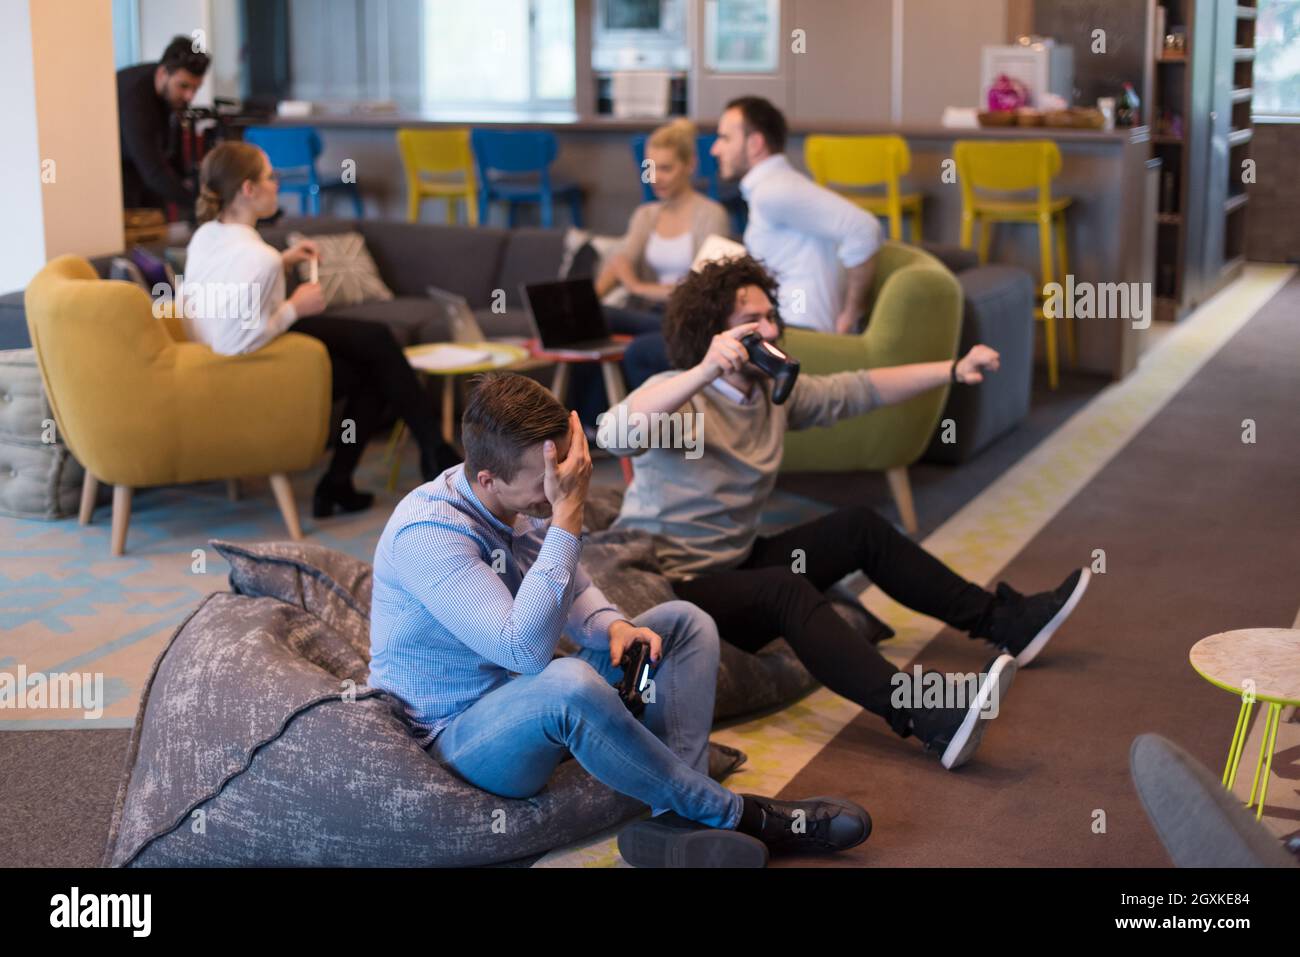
(460, 317)
(567, 317)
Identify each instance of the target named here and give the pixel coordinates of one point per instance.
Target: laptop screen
(566, 313)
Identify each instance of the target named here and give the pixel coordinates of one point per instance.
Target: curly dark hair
(699, 307)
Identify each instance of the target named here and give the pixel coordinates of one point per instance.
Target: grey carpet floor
(58, 787)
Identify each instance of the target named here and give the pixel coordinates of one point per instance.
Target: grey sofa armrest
(998, 311)
(957, 260)
(1199, 822)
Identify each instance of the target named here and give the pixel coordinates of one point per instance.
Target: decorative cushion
(332, 585)
(257, 744)
(124, 270)
(347, 272)
(39, 478)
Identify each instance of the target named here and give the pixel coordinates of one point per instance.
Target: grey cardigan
(707, 218)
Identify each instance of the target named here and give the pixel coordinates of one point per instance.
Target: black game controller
(775, 363)
(636, 676)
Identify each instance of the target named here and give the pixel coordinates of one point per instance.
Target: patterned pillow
(348, 275)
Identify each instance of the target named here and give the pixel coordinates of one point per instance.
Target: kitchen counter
(562, 122)
(1104, 172)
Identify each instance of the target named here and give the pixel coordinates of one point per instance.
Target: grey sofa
(998, 311)
(470, 261)
(473, 262)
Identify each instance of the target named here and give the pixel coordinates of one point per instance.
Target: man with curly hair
(704, 510)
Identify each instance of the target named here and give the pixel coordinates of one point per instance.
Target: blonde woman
(664, 235)
(227, 257)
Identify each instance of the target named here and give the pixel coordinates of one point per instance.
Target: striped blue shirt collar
(461, 484)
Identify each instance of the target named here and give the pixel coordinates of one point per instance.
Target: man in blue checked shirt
(476, 578)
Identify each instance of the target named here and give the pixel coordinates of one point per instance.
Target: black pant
(765, 598)
(370, 371)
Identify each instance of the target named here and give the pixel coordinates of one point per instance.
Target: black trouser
(765, 598)
(370, 371)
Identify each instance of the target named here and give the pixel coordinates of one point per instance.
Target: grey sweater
(704, 501)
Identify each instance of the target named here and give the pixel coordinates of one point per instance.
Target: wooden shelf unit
(1200, 242)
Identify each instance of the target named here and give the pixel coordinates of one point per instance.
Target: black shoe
(330, 496)
(443, 458)
(817, 824)
(670, 840)
(956, 732)
(1022, 626)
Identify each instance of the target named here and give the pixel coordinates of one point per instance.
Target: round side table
(615, 388)
(1259, 664)
(501, 355)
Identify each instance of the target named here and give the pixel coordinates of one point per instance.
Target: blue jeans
(646, 355)
(510, 740)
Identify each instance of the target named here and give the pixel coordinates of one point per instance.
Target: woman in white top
(235, 302)
(662, 239)
(664, 235)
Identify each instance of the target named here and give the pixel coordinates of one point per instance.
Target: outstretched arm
(823, 400)
(899, 383)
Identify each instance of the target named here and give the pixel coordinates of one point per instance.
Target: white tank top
(670, 259)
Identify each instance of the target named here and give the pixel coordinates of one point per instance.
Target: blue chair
(293, 151)
(706, 167)
(503, 158)
(707, 179)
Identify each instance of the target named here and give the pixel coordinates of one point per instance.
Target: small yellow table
(501, 355)
(1259, 664)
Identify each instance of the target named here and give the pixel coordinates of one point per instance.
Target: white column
(59, 169)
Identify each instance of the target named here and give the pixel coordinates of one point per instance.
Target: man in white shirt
(819, 245)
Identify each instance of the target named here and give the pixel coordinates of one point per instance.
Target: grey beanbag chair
(257, 743)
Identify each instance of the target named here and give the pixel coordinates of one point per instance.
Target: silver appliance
(640, 35)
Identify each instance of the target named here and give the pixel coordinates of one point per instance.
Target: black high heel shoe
(329, 496)
(444, 457)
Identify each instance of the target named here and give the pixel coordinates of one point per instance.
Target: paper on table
(449, 357)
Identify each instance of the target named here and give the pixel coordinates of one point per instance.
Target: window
(431, 54)
(126, 33)
(1277, 59)
(498, 53)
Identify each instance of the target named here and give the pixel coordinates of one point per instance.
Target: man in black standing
(148, 97)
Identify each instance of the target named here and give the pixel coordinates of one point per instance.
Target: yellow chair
(139, 406)
(863, 162)
(1010, 168)
(438, 153)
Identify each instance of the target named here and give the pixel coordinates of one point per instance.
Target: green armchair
(915, 317)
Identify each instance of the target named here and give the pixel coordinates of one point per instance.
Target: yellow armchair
(138, 406)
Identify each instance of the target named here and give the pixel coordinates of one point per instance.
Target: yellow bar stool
(1011, 168)
(863, 162)
(442, 154)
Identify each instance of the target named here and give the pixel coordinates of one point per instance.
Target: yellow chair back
(1007, 167)
(438, 153)
(857, 161)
